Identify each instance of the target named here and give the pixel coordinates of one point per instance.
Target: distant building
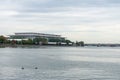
(31, 35)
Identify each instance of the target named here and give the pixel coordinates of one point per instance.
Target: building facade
(51, 38)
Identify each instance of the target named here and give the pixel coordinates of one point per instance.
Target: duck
(22, 68)
(36, 67)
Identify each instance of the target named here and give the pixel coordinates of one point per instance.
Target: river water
(60, 63)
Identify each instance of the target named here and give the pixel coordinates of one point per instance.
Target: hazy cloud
(75, 19)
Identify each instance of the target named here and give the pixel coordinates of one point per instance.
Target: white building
(32, 35)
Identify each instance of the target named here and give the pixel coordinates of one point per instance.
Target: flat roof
(37, 34)
(34, 34)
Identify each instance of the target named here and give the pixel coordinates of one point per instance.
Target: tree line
(38, 41)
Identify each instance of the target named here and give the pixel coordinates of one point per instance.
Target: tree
(2, 39)
(81, 43)
(8, 41)
(77, 43)
(23, 42)
(39, 40)
(68, 41)
(29, 41)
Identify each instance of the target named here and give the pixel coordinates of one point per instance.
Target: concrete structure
(32, 35)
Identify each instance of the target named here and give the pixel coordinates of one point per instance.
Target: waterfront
(60, 63)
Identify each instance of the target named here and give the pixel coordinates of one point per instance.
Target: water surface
(60, 63)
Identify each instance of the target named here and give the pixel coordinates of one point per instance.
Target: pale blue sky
(87, 20)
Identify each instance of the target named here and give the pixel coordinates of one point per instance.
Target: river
(60, 63)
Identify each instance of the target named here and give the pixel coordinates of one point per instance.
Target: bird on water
(22, 68)
(36, 67)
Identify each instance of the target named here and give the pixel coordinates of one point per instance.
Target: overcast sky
(92, 21)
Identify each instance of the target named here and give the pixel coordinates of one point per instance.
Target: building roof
(35, 34)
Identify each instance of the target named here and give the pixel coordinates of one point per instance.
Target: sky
(91, 21)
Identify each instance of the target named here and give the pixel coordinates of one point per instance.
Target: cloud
(8, 13)
(93, 18)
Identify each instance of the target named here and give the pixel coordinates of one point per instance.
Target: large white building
(32, 35)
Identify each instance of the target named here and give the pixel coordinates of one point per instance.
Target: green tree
(29, 41)
(77, 43)
(2, 39)
(39, 39)
(23, 42)
(81, 43)
(68, 41)
(8, 41)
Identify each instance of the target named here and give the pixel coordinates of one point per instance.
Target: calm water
(60, 63)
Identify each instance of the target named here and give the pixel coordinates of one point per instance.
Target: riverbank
(37, 46)
(31, 46)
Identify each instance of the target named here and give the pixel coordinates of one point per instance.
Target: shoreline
(41, 46)
(31, 46)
